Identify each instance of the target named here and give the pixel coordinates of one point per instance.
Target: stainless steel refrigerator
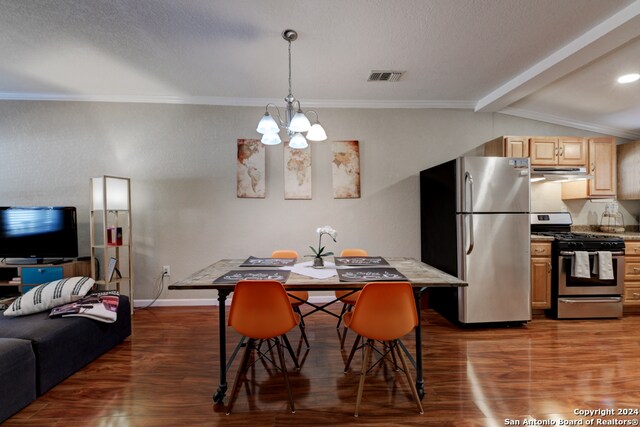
(475, 225)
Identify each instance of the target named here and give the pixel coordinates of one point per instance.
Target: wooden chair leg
(363, 374)
(351, 354)
(285, 374)
(414, 391)
(241, 370)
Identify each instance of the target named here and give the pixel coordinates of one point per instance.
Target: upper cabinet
(554, 151)
(597, 155)
(544, 151)
(628, 171)
(508, 146)
(602, 166)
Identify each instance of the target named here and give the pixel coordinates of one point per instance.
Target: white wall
(181, 160)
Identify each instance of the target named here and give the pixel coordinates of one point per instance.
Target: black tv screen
(38, 232)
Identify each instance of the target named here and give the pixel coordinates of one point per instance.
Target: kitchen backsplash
(547, 197)
(596, 228)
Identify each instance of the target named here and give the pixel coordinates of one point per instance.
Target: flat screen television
(31, 234)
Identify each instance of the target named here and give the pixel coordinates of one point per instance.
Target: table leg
(419, 379)
(218, 397)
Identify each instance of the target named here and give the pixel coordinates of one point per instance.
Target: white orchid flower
(327, 229)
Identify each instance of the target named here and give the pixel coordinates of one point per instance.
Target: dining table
(222, 274)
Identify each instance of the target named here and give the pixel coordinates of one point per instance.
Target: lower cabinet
(632, 274)
(540, 275)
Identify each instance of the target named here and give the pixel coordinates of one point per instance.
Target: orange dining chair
(385, 311)
(348, 301)
(296, 298)
(260, 310)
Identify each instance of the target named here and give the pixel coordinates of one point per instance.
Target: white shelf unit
(110, 208)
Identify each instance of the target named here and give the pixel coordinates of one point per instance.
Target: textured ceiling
(545, 59)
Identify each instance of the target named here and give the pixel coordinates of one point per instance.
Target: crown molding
(563, 121)
(380, 104)
(318, 103)
(240, 102)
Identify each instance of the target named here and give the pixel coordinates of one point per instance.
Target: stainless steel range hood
(559, 173)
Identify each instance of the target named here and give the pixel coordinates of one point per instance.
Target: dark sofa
(17, 376)
(58, 348)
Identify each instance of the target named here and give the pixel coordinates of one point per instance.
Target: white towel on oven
(603, 266)
(580, 265)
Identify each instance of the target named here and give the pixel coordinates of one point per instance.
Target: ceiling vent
(385, 76)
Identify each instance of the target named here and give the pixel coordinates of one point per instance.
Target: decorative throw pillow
(49, 295)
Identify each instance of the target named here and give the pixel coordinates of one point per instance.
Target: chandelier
(295, 121)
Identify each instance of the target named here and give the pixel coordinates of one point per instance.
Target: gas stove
(558, 226)
(585, 241)
(574, 295)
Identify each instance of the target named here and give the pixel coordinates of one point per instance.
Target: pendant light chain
(290, 67)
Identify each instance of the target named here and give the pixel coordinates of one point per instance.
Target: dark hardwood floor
(166, 372)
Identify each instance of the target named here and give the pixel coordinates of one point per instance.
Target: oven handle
(583, 300)
(565, 253)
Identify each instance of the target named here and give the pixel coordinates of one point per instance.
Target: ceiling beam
(598, 41)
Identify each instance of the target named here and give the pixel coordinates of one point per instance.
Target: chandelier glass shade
(295, 121)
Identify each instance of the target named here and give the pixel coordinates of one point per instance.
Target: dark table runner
(234, 276)
(360, 260)
(370, 275)
(267, 262)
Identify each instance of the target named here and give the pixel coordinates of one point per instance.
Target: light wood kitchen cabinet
(540, 275)
(602, 166)
(508, 146)
(628, 159)
(544, 151)
(557, 151)
(632, 273)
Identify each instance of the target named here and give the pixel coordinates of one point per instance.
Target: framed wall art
(297, 173)
(345, 165)
(251, 169)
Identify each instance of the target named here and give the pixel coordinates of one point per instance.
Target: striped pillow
(49, 295)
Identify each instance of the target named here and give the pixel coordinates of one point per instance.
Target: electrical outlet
(166, 270)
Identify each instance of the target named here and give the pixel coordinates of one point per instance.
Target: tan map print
(297, 173)
(346, 169)
(250, 169)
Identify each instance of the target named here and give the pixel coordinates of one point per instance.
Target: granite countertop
(630, 233)
(538, 238)
(627, 235)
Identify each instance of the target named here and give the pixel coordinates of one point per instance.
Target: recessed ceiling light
(628, 78)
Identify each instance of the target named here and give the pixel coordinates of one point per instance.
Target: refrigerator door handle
(469, 179)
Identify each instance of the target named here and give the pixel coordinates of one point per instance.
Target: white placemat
(306, 269)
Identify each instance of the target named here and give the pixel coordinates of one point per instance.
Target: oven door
(569, 285)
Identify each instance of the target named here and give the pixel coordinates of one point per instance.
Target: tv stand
(36, 261)
(24, 261)
(9, 272)
(58, 261)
